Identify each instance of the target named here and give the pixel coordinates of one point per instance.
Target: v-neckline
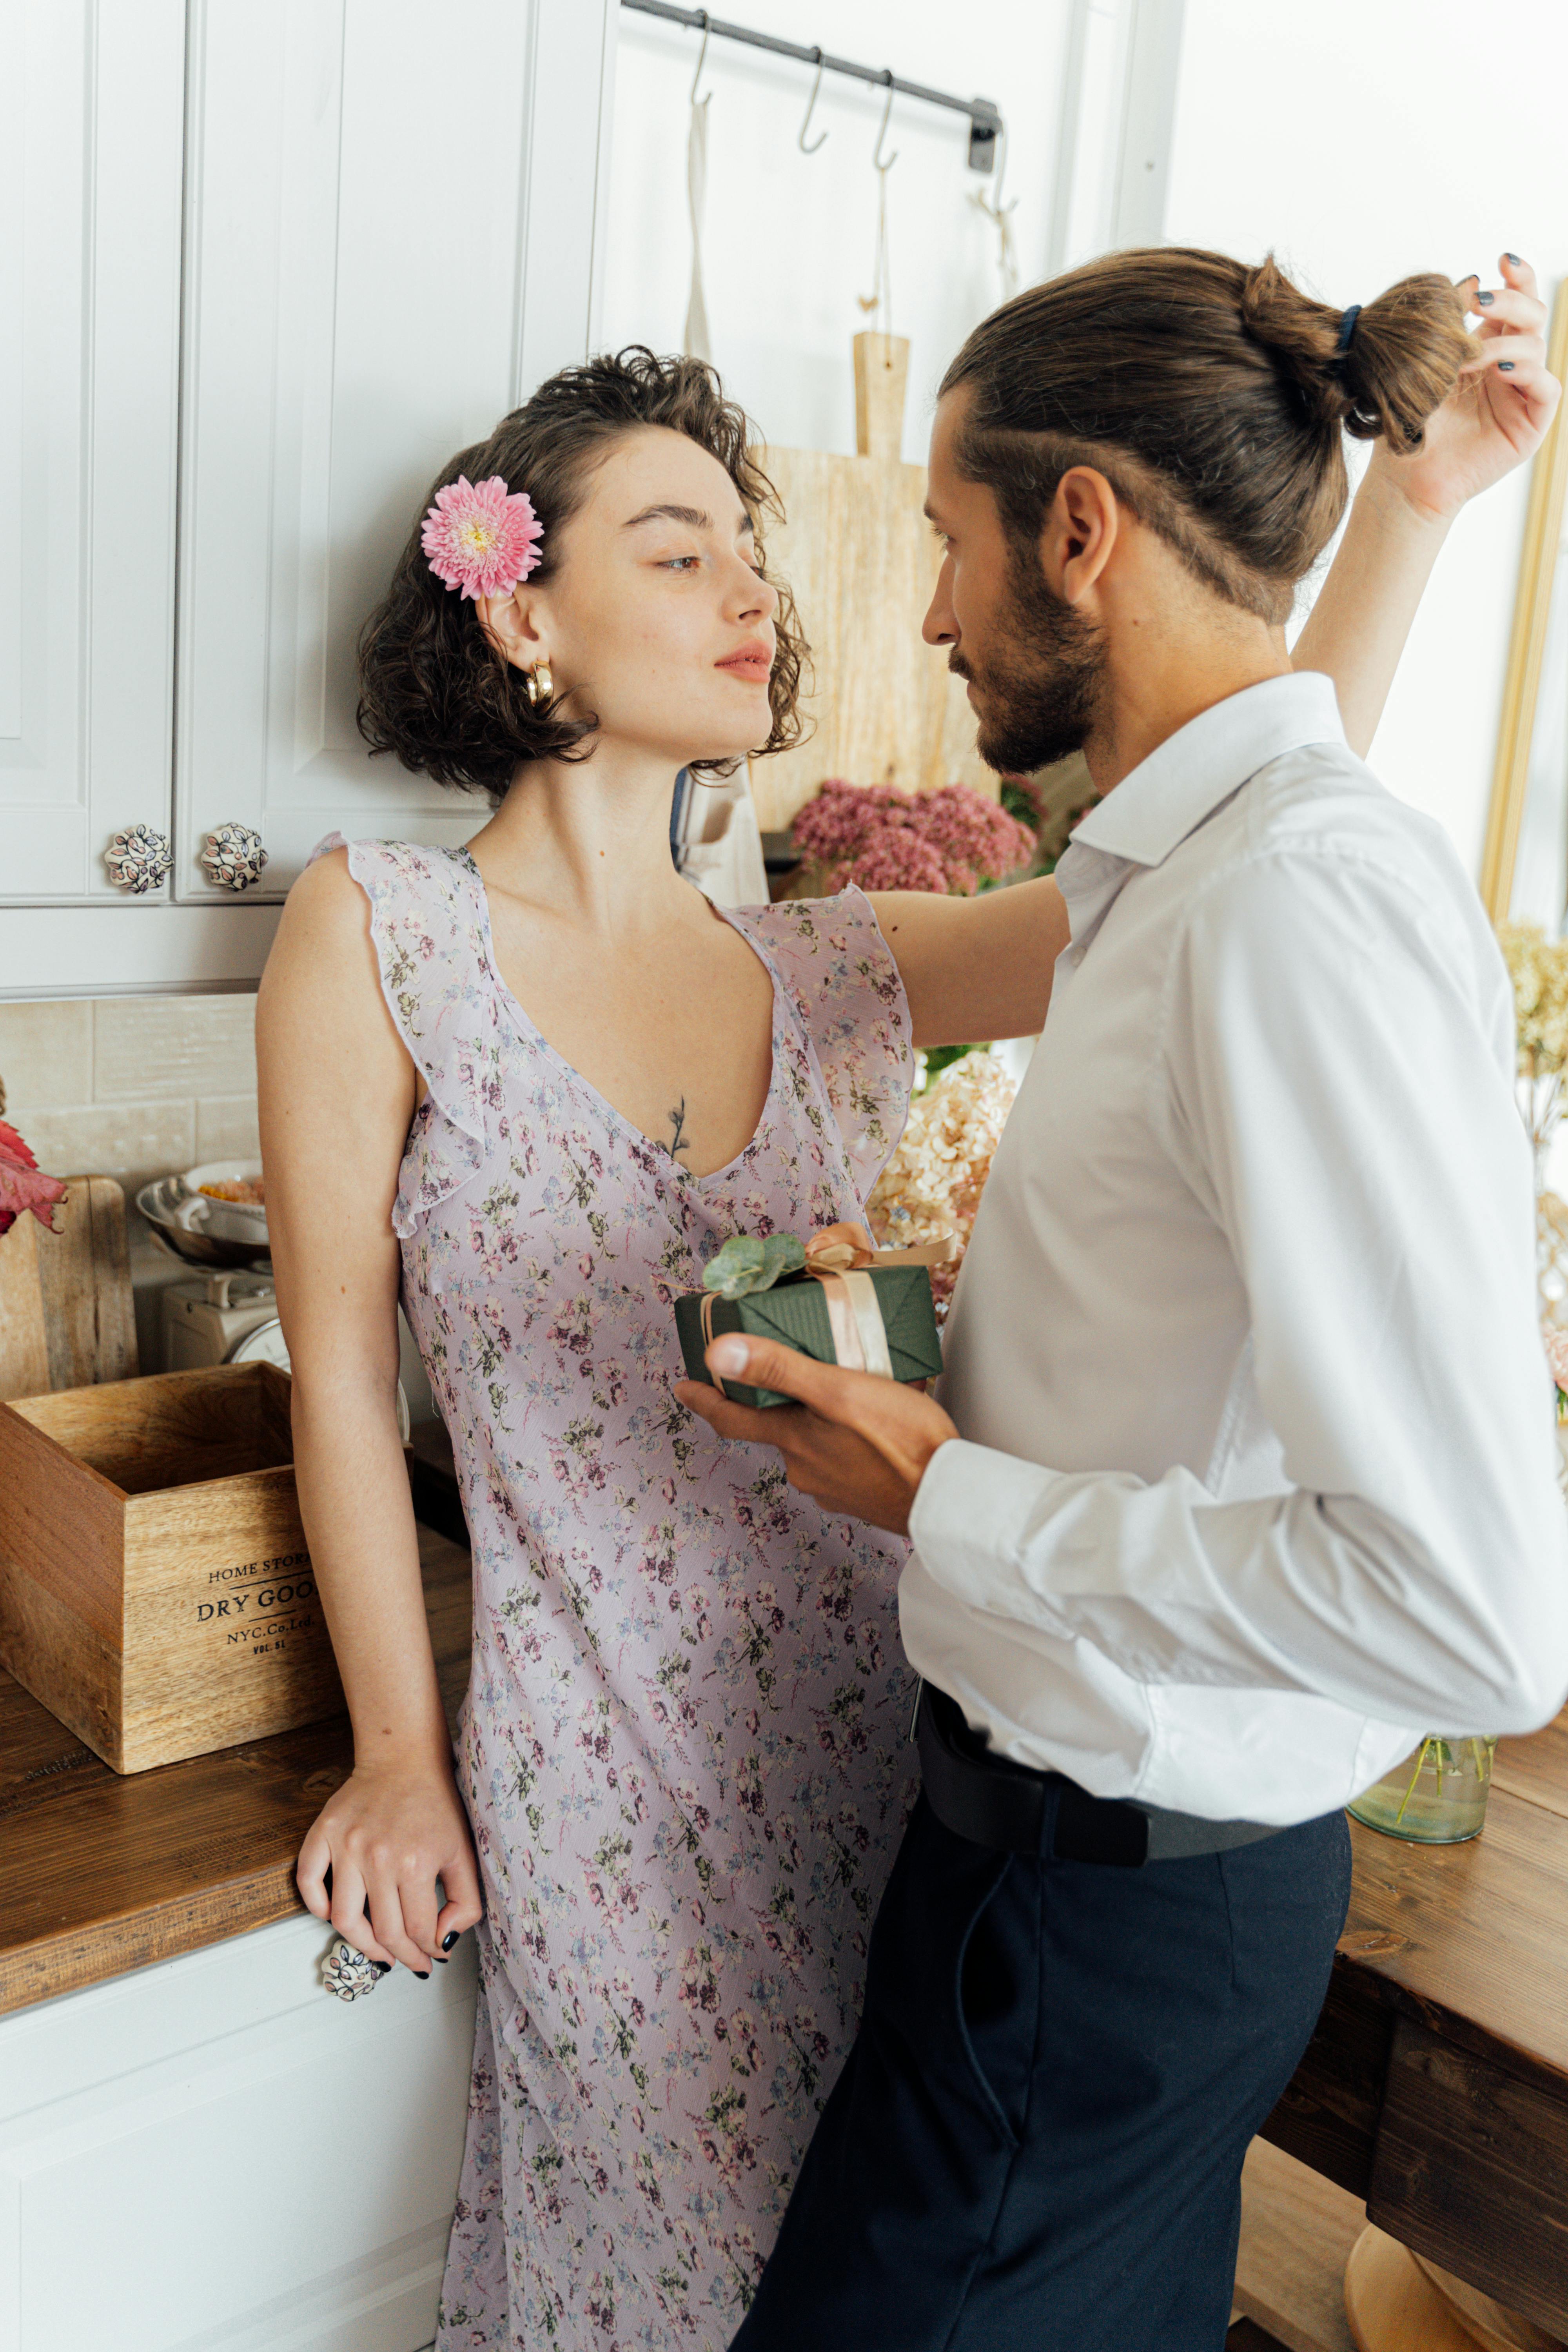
(613, 1116)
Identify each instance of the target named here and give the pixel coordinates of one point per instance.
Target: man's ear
(1080, 533)
(515, 625)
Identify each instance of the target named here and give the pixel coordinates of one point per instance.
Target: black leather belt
(994, 1803)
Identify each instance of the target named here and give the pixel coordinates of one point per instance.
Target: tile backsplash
(132, 1086)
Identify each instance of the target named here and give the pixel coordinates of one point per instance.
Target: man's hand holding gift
(855, 1442)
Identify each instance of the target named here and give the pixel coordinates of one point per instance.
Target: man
(1243, 1474)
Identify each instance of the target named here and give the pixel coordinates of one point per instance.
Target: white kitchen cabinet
(393, 229)
(213, 2155)
(92, 99)
(390, 240)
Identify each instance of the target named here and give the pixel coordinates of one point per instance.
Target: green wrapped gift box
(794, 1311)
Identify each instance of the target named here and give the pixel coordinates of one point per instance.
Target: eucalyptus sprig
(747, 1262)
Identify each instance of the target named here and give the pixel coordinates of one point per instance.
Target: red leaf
(22, 1186)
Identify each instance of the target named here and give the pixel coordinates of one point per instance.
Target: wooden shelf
(1435, 2083)
(1296, 2232)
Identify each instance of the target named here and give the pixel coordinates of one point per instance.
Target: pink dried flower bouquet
(894, 858)
(951, 841)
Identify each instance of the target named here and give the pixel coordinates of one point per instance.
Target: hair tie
(1347, 329)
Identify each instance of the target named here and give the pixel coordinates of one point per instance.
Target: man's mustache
(959, 667)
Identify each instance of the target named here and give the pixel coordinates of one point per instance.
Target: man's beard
(1043, 684)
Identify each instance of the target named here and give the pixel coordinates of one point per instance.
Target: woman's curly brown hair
(434, 690)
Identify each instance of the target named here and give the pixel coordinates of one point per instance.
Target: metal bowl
(199, 1211)
(165, 1203)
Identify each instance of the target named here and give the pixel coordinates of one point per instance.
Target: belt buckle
(1102, 1830)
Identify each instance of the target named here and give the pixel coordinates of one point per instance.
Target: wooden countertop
(1474, 1937)
(98, 1874)
(1436, 2084)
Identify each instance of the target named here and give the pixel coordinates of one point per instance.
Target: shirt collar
(1186, 778)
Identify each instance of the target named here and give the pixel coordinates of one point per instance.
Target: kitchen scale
(231, 1317)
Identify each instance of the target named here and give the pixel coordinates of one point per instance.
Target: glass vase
(1436, 1797)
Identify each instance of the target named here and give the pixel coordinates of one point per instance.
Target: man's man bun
(1379, 375)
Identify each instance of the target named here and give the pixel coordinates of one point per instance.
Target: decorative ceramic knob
(348, 1973)
(234, 856)
(138, 858)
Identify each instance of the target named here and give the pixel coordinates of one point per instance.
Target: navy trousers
(1036, 2144)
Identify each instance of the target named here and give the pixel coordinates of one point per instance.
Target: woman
(533, 1085)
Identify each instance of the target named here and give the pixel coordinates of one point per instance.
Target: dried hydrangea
(936, 1176)
(893, 857)
(835, 821)
(977, 840)
(1556, 1345)
(1538, 968)
(950, 841)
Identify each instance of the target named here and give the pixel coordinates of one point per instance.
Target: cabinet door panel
(91, 104)
(372, 280)
(213, 2155)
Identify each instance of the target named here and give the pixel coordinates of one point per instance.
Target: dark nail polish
(1505, 367)
(382, 1967)
(1515, 258)
(449, 1939)
(441, 1962)
(423, 1975)
(1485, 302)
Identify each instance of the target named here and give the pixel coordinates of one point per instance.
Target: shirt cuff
(973, 1513)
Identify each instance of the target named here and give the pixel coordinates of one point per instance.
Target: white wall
(1364, 140)
(789, 240)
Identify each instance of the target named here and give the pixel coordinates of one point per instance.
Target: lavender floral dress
(684, 1743)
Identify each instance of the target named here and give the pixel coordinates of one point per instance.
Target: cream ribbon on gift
(854, 1315)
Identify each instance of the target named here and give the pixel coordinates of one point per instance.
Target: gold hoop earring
(539, 682)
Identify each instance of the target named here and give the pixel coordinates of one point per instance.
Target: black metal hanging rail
(985, 119)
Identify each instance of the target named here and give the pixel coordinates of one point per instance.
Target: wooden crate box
(156, 1587)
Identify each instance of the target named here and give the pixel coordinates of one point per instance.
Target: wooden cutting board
(67, 1316)
(860, 557)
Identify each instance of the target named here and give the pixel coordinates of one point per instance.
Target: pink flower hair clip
(481, 537)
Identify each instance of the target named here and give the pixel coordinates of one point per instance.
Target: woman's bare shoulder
(326, 895)
(325, 925)
(321, 971)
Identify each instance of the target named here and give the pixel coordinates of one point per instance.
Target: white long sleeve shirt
(1257, 1477)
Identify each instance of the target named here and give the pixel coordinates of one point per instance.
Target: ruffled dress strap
(426, 925)
(831, 958)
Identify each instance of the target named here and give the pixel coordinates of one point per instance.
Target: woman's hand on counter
(386, 1836)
